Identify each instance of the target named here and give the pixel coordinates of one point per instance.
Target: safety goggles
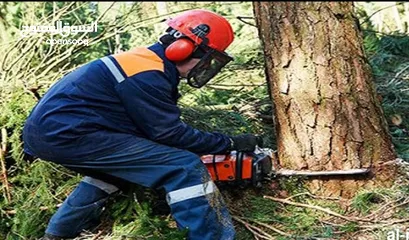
(210, 64)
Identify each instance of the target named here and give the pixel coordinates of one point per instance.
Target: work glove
(244, 142)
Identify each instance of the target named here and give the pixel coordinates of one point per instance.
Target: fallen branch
(331, 223)
(98, 235)
(272, 228)
(366, 232)
(282, 232)
(396, 222)
(313, 196)
(400, 204)
(260, 234)
(385, 224)
(350, 219)
(3, 151)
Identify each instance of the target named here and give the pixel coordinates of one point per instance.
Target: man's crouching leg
(197, 205)
(82, 209)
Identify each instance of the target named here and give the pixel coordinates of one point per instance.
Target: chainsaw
(238, 167)
(257, 167)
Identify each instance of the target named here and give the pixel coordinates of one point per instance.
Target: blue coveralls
(116, 117)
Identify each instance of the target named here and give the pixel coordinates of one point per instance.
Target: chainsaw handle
(239, 166)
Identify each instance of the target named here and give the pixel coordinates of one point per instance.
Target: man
(115, 119)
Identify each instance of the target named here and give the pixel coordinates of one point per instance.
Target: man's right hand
(245, 142)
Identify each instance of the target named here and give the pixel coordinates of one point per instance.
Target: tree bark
(326, 111)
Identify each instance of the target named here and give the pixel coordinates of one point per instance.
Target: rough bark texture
(326, 111)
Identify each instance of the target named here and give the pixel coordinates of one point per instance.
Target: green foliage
(350, 227)
(300, 222)
(388, 56)
(13, 114)
(387, 53)
(216, 120)
(36, 192)
(135, 218)
(261, 209)
(365, 201)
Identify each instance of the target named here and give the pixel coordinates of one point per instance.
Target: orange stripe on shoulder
(139, 60)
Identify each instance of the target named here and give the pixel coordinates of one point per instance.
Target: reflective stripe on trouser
(82, 209)
(194, 205)
(200, 207)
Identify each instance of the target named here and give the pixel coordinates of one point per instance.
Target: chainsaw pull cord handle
(239, 165)
(215, 168)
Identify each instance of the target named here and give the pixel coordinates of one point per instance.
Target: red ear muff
(180, 49)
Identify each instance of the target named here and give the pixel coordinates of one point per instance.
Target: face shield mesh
(209, 65)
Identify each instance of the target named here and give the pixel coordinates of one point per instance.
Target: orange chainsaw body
(225, 170)
(237, 166)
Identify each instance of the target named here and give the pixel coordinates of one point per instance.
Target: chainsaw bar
(276, 171)
(288, 172)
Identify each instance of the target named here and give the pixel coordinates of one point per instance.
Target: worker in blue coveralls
(116, 118)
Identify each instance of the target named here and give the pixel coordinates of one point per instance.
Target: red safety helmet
(201, 34)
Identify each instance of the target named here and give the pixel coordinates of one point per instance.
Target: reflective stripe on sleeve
(108, 188)
(114, 70)
(190, 192)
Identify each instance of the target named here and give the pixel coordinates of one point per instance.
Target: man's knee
(194, 168)
(100, 184)
(191, 160)
(90, 191)
(187, 170)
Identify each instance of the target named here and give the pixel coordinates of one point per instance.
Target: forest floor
(281, 209)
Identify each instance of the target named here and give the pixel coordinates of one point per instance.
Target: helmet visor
(209, 65)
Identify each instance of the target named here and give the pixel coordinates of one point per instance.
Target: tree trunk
(326, 111)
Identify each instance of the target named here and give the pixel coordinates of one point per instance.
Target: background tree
(328, 116)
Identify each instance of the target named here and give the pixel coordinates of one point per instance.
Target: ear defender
(180, 50)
